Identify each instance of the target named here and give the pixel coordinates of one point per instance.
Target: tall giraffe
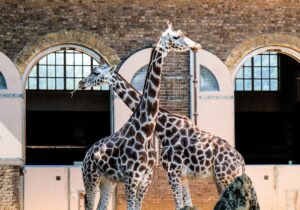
(186, 149)
(128, 154)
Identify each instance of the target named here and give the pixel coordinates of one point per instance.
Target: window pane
(70, 84)
(265, 60)
(33, 72)
(32, 83)
(257, 72)
(42, 71)
(240, 73)
(95, 63)
(59, 58)
(273, 60)
(257, 84)
(51, 71)
(78, 59)
(77, 81)
(59, 71)
(248, 62)
(274, 72)
(70, 71)
(51, 59)
(208, 81)
(43, 60)
(239, 84)
(247, 72)
(257, 60)
(265, 84)
(51, 83)
(265, 72)
(78, 71)
(70, 59)
(59, 83)
(248, 85)
(42, 83)
(86, 71)
(274, 84)
(86, 60)
(138, 79)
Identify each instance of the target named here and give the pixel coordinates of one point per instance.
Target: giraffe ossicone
(128, 155)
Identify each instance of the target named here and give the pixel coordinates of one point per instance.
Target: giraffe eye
(176, 37)
(96, 73)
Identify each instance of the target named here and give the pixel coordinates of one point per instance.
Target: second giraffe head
(171, 40)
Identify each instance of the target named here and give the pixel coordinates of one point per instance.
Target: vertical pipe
(195, 86)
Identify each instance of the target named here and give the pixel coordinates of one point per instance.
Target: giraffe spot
(143, 117)
(182, 132)
(121, 93)
(199, 152)
(142, 168)
(110, 171)
(184, 141)
(139, 137)
(190, 132)
(151, 91)
(130, 142)
(133, 95)
(158, 127)
(154, 108)
(137, 113)
(148, 129)
(162, 120)
(170, 153)
(192, 167)
(138, 146)
(112, 162)
(178, 123)
(130, 132)
(151, 163)
(220, 158)
(136, 124)
(154, 80)
(177, 159)
(136, 165)
(109, 152)
(208, 154)
(129, 164)
(128, 101)
(207, 163)
(192, 149)
(194, 159)
(157, 71)
(104, 157)
(175, 139)
(186, 153)
(186, 161)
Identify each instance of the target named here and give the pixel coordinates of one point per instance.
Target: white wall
(11, 116)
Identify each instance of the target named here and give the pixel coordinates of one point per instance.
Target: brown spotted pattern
(128, 155)
(187, 151)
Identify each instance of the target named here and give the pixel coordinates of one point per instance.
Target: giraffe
(128, 155)
(187, 150)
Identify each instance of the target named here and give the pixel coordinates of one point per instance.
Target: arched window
(259, 73)
(138, 79)
(61, 70)
(3, 84)
(208, 81)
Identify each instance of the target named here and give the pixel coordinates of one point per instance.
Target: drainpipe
(193, 87)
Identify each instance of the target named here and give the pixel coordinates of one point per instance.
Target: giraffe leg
(186, 192)
(90, 194)
(175, 182)
(131, 190)
(142, 189)
(106, 189)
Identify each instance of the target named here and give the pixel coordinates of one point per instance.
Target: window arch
(138, 79)
(259, 73)
(62, 70)
(3, 84)
(208, 81)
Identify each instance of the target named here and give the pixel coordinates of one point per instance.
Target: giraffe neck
(128, 94)
(147, 110)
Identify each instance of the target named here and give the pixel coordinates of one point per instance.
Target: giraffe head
(99, 76)
(171, 40)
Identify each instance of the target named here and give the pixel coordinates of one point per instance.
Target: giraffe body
(128, 155)
(186, 150)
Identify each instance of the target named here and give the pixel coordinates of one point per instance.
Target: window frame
(252, 78)
(65, 51)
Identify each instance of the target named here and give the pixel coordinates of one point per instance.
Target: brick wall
(9, 188)
(130, 25)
